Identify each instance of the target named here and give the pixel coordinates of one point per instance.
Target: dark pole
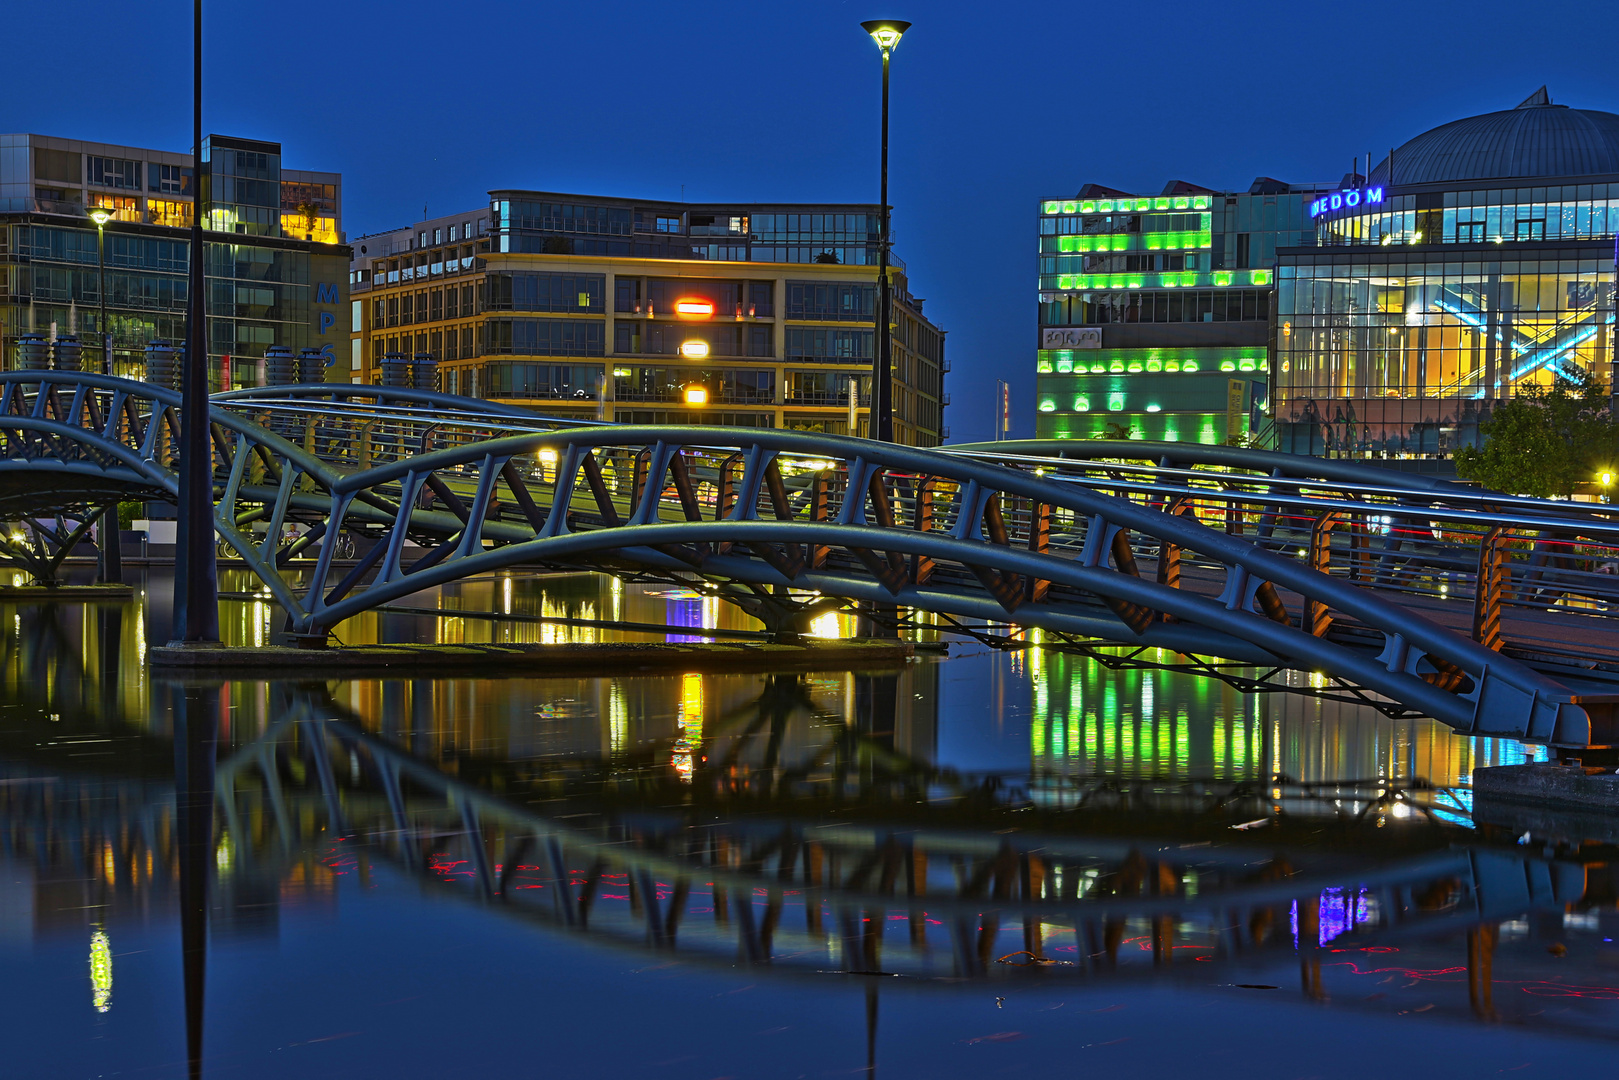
(109, 561)
(196, 590)
(882, 416)
(196, 736)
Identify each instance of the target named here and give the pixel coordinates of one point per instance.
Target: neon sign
(1339, 200)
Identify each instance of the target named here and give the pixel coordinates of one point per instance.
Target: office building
(1155, 309)
(277, 266)
(637, 311)
(1475, 259)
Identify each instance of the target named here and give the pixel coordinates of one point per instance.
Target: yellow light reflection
(100, 972)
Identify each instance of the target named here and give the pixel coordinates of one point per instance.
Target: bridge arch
(778, 513)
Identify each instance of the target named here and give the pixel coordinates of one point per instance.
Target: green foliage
(1114, 430)
(1544, 441)
(128, 512)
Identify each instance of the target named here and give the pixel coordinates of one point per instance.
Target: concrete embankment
(610, 658)
(1548, 786)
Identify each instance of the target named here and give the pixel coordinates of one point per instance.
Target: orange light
(694, 350)
(696, 395)
(694, 309)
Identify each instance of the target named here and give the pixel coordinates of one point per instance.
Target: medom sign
(1340, 200)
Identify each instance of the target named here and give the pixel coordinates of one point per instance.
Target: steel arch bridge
(438, 488)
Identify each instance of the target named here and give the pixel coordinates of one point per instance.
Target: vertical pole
(196, 736)
(109, 560)
(854, 406)
(882, 419)
(196, 590)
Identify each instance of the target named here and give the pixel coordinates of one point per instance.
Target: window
(356, 316)
(452, 303)
(1531, 228)
(668, 225)
(452, 233)
(839, 301)
(422, 239)
(438, 236)
(546, 337)
(828, 345)
(555, 382)
(170, 179)
(466, 230)
(114, 172)
(435, 310)
(546, 292)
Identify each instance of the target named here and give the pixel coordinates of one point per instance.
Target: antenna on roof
(1539, 97)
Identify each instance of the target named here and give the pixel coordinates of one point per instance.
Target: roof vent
(1539, 97)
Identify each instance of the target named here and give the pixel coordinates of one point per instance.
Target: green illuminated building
(1155, 310)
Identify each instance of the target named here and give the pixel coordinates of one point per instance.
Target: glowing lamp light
(101, 214)
(547, 457)
(694, 350)
(694, 309)
(885, 32)
(1607, 478)
(1152, 408)
(696, 395)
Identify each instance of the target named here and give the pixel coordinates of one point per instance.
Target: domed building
(1474, 259)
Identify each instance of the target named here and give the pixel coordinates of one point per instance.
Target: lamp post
(1606, 478)
(886, 33)
(109, 560)
(196, 588)
(101, 215)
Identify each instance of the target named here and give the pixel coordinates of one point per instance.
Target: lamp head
(885, 32)
(101, 215)
(696, 395)
(1607, 477)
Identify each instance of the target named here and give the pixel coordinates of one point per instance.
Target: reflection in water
(934, 823)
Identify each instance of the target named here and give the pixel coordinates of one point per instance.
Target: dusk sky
(994, 106)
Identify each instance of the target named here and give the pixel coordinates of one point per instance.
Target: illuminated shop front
(1484, 263)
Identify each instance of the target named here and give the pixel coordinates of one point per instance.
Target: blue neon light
(1354, 197)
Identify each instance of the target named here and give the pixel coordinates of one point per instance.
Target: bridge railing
(1375, 528)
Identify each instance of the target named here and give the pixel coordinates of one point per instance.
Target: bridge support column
(109, 558)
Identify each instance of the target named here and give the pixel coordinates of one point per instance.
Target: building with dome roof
(1471, 261)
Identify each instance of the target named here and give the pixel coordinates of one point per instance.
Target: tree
(1544, 441)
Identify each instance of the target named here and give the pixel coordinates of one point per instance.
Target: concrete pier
(1564, 787)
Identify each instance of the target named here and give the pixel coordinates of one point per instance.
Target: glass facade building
(1155, 309)
(615, 309)
(276, 270)
(1476, 259)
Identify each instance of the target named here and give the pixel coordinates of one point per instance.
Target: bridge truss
(432, 489)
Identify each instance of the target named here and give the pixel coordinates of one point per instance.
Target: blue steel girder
(681, 513)
(1496, 696)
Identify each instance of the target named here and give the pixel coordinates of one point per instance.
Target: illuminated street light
(696, 394)
(696, 349)
(886, 33)
(109, 560)
(694, 309)
(1606, 479)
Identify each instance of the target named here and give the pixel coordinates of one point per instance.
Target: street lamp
(1606, 479)
(886, 33)
(109, 560)
(101, 215)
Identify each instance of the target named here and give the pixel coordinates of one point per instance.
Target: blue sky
(994, 105)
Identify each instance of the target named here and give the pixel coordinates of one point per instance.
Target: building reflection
(1089, 720)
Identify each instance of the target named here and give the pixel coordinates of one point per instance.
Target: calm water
(1000, 863)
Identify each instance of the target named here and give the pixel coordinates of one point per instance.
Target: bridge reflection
(847, 855)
